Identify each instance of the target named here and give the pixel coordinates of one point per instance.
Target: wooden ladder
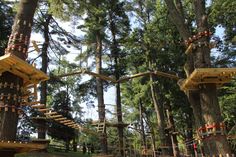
(101, 126)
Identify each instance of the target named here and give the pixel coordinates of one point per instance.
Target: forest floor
(54, 154)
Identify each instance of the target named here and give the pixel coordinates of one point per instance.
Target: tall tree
(204, 101)
(95, 23)
(22, 27)
(119, 27)
(43, 89)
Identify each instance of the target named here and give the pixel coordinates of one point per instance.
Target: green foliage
(61, 8)
(6, 21)
(223, 13)
(227, 102)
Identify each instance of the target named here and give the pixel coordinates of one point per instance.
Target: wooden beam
(55, 116)
(65, 121)
(44, 110)
(163, 74)
(30, 103)
(38, 106)
(69, 123)
(158, 73)
(103, 77)
(106, 78)
(50, 113)
(60, 119)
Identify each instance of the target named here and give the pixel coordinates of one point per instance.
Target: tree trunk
(143, 139)
(119, 118)
(165, 141)
(43, 89)
(208, 96)
(21, 31)
(189, 134)
(209, 106)
(116, 56)
(152, 133)
(101, 106)
(173, 133)
(67, 145)
(75, 145)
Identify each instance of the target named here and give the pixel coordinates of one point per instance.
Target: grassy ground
(54, 154)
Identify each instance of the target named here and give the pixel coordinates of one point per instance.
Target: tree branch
(178, 20)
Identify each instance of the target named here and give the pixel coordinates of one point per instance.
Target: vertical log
(17, 45)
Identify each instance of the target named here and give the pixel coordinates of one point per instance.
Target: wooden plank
(44, 110)
(31, 103)
(55, 116)
(69, 123)
(65, 121)
(103, 77)
(60, 119)
(50, 113)
(158, 73)
(39, 106)
(189, 49)
(163, 74)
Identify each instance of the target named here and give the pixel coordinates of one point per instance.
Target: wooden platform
(199, 76)
(17, 66)
(22, 147)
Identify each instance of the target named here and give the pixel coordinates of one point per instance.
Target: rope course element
(20, 95)
(101, 125)
(194, 46)
(201, 76)
(17, 66)
(211, 129)
(20, 147)
(198, 36)
(53, 115)
(106, 78)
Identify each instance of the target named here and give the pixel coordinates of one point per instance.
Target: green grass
(54, 154)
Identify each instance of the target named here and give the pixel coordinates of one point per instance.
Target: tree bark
(115, 54)
(43, 89)
(21, 30)
(101, 106)
(173, 133)
(208, 96)
(159, 109)
(67, 145)
(143, 139)
(189, 134)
